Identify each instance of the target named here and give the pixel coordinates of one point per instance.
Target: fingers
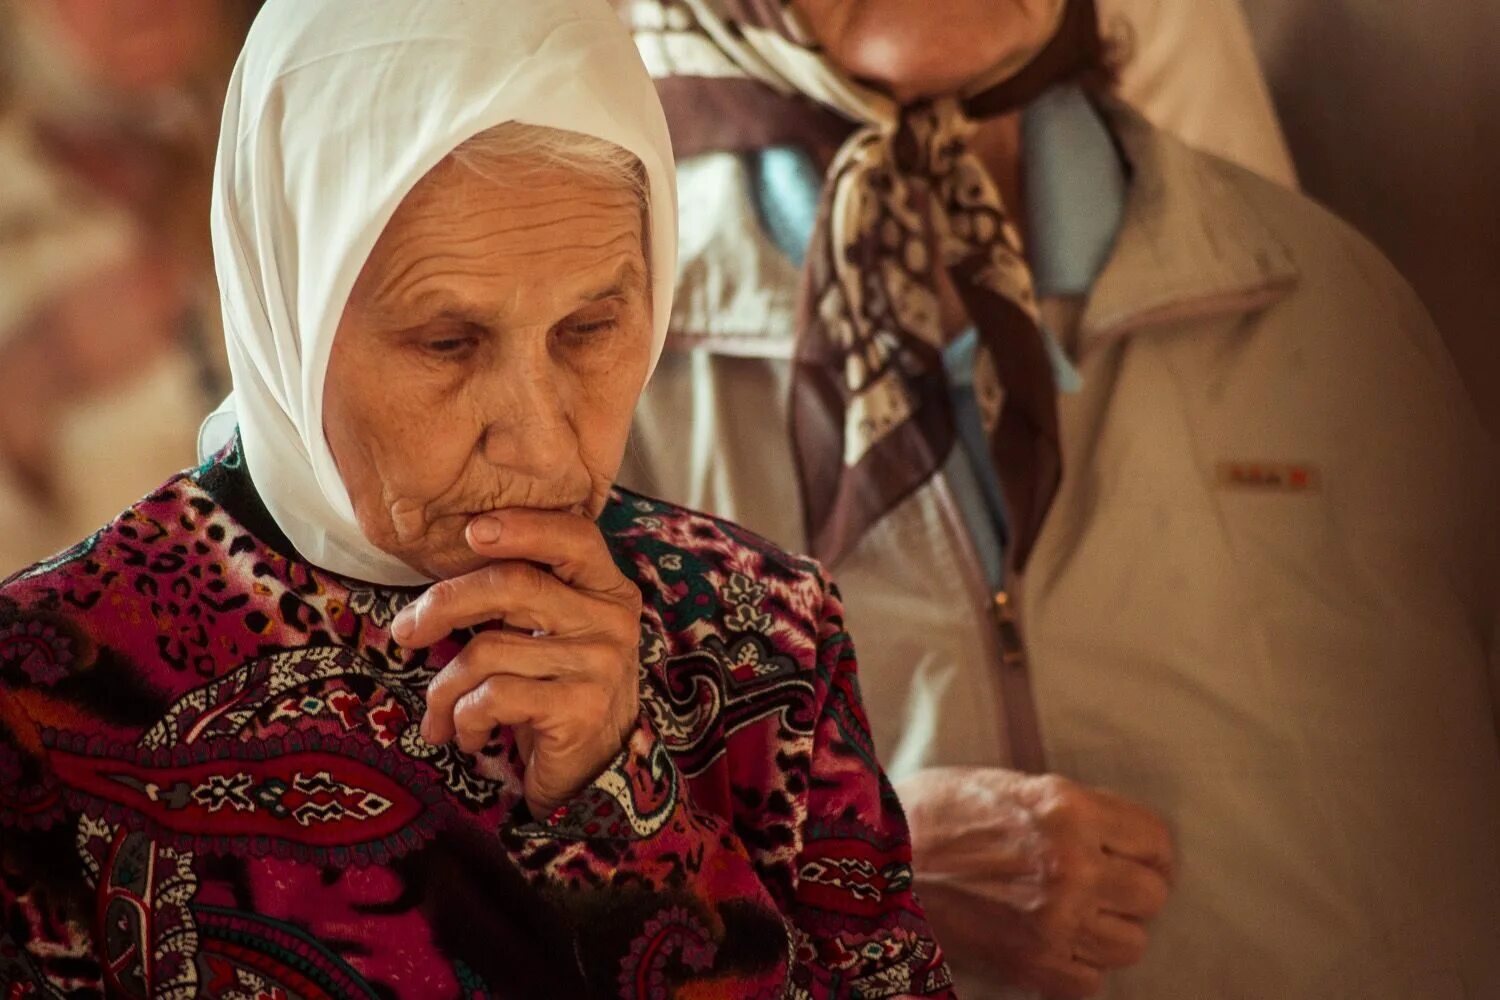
(504, 700)
(1068, 980)
(522, 594)
(553, 572)
(1108, 941)
(570, 545)
(1131, 889)
(568, 722)
(494, 654)
(997, 943)
(1135, 832)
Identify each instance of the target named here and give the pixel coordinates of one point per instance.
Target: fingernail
(426, 729)
(402, 625)
(485, 530)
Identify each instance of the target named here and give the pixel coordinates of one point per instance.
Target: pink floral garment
(211, 785)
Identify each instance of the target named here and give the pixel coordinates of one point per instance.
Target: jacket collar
(1190, 248)
(1181, 243)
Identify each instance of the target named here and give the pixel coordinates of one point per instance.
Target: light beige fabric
(51, 233)
(1189, 66)
(110, 453)
(1296, 679)
(110, 450)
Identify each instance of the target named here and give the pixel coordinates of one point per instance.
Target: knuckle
(530, 581)
(475, 699)
(440, 594)
(590, 703)
(503, 577)
(485, 646)
(1062, 802)
(441, 689)
(472, 710)
(1150, 824)
(1168, 846)
(625, 593)
(601, 661)
(469, 714)
(496, 577)
(624, 631)
(1155, 896)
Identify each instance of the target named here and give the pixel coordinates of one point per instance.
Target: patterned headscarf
(904, 197)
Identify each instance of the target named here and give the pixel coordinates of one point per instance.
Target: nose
(528, 428)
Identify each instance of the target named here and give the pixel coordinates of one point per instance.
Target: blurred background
(110, 348)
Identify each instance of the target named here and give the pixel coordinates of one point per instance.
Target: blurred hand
(1037, 882)
(563, 671)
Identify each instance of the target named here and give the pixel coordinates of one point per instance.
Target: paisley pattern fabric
(211, 784)
(905, 203)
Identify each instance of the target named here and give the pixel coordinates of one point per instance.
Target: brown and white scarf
(903, 198)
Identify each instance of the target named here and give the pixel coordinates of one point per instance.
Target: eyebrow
(628, 277)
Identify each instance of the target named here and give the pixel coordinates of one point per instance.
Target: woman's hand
(564, 670)
(1037, 882)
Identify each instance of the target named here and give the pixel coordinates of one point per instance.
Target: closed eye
(601, 317)
(450, 340)
(593, 326)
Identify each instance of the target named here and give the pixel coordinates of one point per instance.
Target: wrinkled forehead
(509, 233)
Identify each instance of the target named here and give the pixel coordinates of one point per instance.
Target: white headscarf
(335, 111)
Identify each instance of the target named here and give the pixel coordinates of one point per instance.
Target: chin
(937, 48)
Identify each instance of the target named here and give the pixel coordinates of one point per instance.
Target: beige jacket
(1264, 603)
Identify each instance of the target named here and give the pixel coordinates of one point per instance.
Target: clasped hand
(1035, 881)
(563, 671)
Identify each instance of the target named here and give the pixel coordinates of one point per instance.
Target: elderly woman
(250, 749)
(1260, 602)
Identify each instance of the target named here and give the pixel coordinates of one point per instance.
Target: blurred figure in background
(1261, 603)
(109, 342)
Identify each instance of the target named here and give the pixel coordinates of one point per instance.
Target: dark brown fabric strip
(741, 115)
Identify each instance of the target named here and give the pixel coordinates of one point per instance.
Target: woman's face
(490, 356)
(927, 48)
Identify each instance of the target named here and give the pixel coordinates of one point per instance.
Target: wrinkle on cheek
(598, 495)
(409, 520)
(412, 516)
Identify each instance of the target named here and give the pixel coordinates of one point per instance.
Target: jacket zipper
(1013, 677)
(1022, 723)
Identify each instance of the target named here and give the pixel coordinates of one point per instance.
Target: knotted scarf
(905, 199)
